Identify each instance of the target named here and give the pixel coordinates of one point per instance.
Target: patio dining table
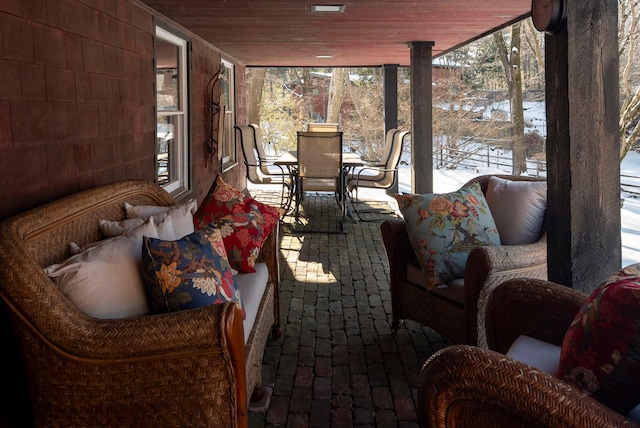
(350, 161)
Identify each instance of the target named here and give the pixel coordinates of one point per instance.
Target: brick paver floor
(338, 363)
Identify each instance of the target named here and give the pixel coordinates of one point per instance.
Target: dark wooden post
(583, 146)
(390, 72)
(391, 107)
(421, 123)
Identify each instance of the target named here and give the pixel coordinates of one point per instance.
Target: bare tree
(283, 109)
(337, 90)
(628, 39)
(513, 72)
(255, 82)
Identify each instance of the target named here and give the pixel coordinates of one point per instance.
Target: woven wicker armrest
(488, 260)
(531, 307)
(468, 386)
(489, 266)
(78, 336)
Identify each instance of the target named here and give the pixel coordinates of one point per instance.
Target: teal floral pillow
(188, 273)
(444, 228)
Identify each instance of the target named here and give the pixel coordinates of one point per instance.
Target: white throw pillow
(182, 215)
(116, 228)
(105, 281)
(135, 211)
(163, 223)
(518, 209)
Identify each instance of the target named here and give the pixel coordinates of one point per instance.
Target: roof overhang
(366, 33)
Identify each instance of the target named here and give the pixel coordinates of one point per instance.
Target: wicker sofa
(453, 311)
(185, 368)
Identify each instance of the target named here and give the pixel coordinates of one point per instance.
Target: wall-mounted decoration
(215, 105)
(220, 130)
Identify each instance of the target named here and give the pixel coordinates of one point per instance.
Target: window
(227, 104)
(172, 136)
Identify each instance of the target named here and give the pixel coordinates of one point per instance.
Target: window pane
(172, 138)
(167, 76)
(227, 97)
(167, 149)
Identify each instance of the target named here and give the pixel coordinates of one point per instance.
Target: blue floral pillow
(444, 228)
(188, 273)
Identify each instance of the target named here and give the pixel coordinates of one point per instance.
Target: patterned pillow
(601, 350)
(222, 200)
(244, 233)
(188, 273)
(270, 215)
(444, 228)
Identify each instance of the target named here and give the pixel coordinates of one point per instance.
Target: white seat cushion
(252, 287)
(536, 353)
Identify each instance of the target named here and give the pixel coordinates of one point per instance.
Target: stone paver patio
(338, 364)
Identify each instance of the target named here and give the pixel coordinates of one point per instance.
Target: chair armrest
(368, 161)
(399, 250)
(152, 337)
(270, 255)
(468, 386)
(489, 266)
(379, 168)
(531, 307)
(268, 164)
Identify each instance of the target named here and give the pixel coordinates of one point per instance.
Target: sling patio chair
(259, 170)
(380, 174)
(320, 168)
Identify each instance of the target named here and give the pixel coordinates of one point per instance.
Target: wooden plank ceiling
(367, 33)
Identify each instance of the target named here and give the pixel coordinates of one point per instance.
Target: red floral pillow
(270, 215)
(243, 222)
(222, 199)
(244, 233)
(601, 350)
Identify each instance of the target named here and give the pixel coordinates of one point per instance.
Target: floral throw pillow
(601, 350)
(444, 228)
(244, 233)
(188, 273)
(222, 199)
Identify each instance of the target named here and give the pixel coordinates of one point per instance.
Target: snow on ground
(450, 180)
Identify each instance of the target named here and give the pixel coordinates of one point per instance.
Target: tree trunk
(255, 81)
(337, 90)
(513, 73)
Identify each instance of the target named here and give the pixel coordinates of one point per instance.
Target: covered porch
(78, 110)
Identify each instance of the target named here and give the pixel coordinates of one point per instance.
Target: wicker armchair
(469, 386)
(453, 312)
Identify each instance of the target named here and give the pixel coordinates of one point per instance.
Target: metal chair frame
(257, 168)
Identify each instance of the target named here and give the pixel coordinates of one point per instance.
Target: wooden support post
(422, 126)
(583, 146)
(390, 72)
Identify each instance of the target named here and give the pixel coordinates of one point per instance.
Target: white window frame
(229, 152)
(180, 182)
